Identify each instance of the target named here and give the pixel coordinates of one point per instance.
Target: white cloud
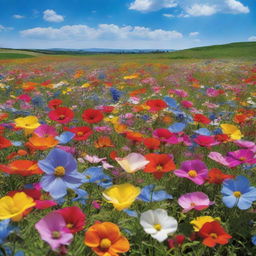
(151, 5)
(193, 33)
(201, 10)
(252, 38)
(3, 28)
(52, 16)
(18, 16)
(102, 32)
(168, 15)
(192, 7)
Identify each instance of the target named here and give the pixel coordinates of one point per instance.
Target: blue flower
(97, 176)
(238, 192)
(81, 197)
(116, 94)
(61, 173)
(254, 240)
(149, 195)
(5, 230)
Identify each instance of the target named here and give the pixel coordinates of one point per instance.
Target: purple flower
(194, 170)
(52, 230)
(195, 200)
(61, 173)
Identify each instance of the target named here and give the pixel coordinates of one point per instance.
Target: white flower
(158, 224)
(133, 162)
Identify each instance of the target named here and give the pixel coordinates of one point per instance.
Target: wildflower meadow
(127, 155)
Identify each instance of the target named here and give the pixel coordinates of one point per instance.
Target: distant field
(14, 56)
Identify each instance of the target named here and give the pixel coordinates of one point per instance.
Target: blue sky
(142, 24)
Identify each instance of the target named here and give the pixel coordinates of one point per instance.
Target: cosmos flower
(238, 192)
(45, 130)
(158, 224)
(121, 196)
(52, 230)
(61, 173)
(106, 239)
(194, 170)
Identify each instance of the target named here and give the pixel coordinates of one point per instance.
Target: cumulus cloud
(192, 7)
(151, 5)
(252, 38)
(193, 33)
(52, 16)
(18, 16)
(103, 32)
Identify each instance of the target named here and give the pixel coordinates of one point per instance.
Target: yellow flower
(120, 128)
(121, 196)
(28, 123)
(85, 85)
(200, 221)
(13, 207)
(131, 76)
(232, 131)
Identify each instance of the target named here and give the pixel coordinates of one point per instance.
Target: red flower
(21, 167)
(92, 116)
(74, 218)
(4, 143)
(151, 143)
(61, 115)
(201, 119)
(205, 141)
(159, 164)
(176, 241)
(216, 176)
(107, 109)
(134, 136)
(222, 137)
(156, 105)
(213, 233)
(53, 104)
(162, 134)
(81, 133)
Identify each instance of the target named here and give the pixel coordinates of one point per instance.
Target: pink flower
(194, 170)
(187, 104)
(195, 200)
(212, 92)
(206, 141)
(246, 144)
(51, 229)
(45, 130)
(25, 97)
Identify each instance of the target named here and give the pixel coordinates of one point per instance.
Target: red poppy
(176, 241)
(222, 137)
(156, 105)
(134, 136)
(162, 134)
(199, 118)
(151, 143)
(107, 109)
(205, 141)
(4, 143)
(159, 164)
(55, 103)
(21, 167)
(213, 233)
(74, 218)
(61, 115)
(216, 176)
(81, 133)
(92, 116)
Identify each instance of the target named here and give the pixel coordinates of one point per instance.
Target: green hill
(233, 50)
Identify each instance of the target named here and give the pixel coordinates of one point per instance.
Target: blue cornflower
(96, 175)
(61, 173)
(238, 192)
(5, 230)
(148, 194)
(116, 94)
(254, 240)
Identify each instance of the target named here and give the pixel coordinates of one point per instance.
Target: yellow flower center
(237, 194)
(61, 117)
(192, 204)
(213, 235)
(159, 168)
(105, 243)
(59, 171)
(242, 158)
(80, 133)
(157, 227)
(69, 225)
(56, 234)
(192, 173)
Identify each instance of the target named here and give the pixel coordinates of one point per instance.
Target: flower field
(127, 156)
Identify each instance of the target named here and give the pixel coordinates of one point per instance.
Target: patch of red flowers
(55, 103)
(199, 118)
(92, 116)
(156, 105)
(216, 176)
(61, 115)
(151, 143)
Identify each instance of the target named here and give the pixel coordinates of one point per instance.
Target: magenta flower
(52, 230)
(194, 170)
(45, 130)
(195, 200)
(234, 158)
(246, 144)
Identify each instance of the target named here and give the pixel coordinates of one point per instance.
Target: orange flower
(240, 118)
(134, 136)
(4, 143)
(151, 143)
(159, 164)
(42, 143)
(103, 141)
(21, 167)
(105, 239)
(3, 116)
